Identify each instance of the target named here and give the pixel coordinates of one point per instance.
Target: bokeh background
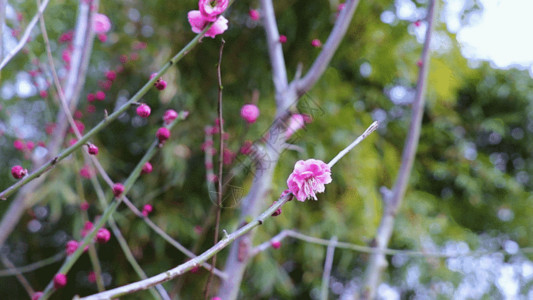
(469, 192)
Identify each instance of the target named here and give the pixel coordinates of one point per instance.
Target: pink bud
(100, 96)
(143, 110)
(169, 116)
(147, 168)
(36, 295)
(72, 141)
(87, 227)
(102, 37)
(79, 125)
(316, 43)
(60, 280)
(91, 108)
(19, 145)
(85, 172)
(417, 23)
(275, 244)
(78, 114)
(123, 58)
(111, 75)
(282, 39)
(147, 209)
(162, 134)
(91, 277)
(43, 94)
(84, 206)
(18, 172)
(216, 298)
(254, 14)
(277, 212)
(102, 236)
(71, 247)
(249, 113)
(160, 84)
(246, 148)
(419, 63)
(92, 149)
(118, 189)
(90, 97)
(30, 145)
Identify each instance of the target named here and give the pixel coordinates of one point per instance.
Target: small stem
(220, 167)
(327, 268)
(358, 140)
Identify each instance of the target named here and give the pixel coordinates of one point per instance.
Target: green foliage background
(470, 186)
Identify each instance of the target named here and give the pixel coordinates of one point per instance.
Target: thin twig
(23, 281)
(327, 268)
(335, 37)
(220, 166)
(370, 250)
(363, 136)
(25, 36)
(33, 266)
(377, 262)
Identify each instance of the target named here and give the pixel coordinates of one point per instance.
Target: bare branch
(25, 36)
(322, 61)
(327, 268)
(377, 262)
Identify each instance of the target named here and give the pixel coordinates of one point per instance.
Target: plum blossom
(296, 122)
(101, 23)
(211, 9)
(199, 22)
(308, 178)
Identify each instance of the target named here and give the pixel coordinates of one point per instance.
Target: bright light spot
(498, 33)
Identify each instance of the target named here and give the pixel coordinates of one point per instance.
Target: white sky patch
(500, 33)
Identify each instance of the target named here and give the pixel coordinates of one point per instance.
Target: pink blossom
(43, 94)
(36, 295)
(220, 25)
(198, 23)
(254, 14)
(282, 39)
(296, 122)
(71, 247)
(309, 178)
(101, 23)
(249, 113)
(211, 9)
(90, 97)
(246, 147)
